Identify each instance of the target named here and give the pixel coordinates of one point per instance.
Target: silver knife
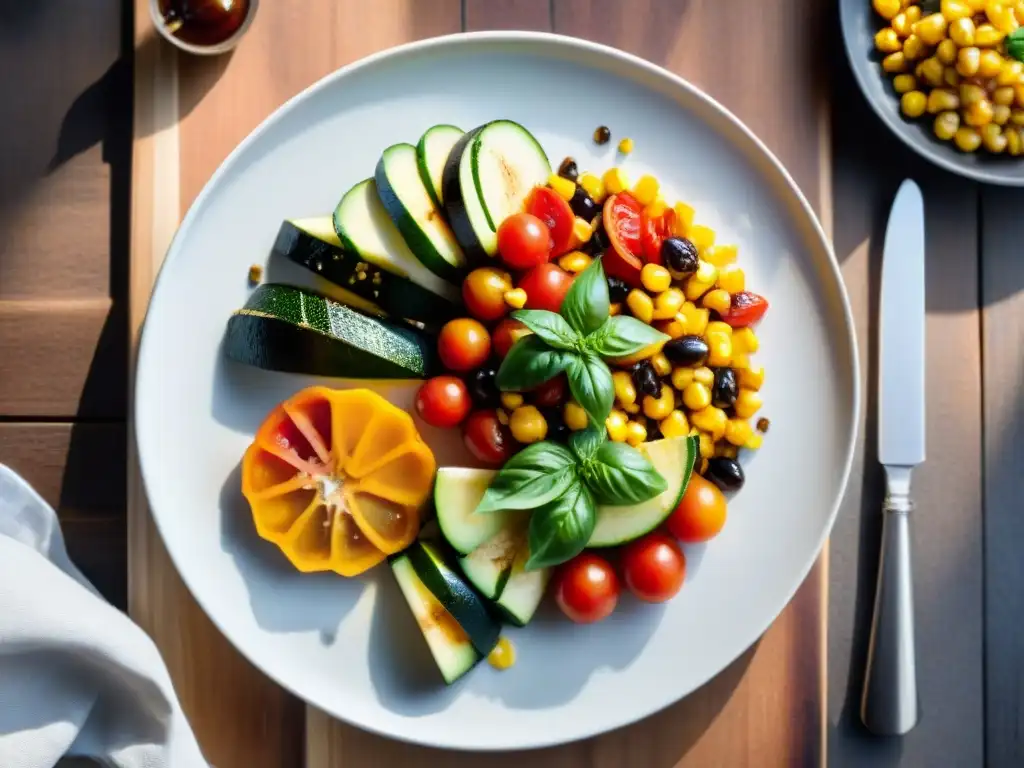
(889, 705)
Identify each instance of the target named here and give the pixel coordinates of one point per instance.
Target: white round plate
(350, 646)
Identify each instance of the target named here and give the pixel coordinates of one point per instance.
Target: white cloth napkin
(77, 677)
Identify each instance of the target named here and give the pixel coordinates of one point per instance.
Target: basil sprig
(563, 486)
(576, 340)
(1015, 44)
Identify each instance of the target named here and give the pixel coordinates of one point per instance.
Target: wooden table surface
(69, 305)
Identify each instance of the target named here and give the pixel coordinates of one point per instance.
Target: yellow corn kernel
(886, 8)
(625, 389)
(990, 64)
(646, 189)
(748, 402)
(562, 186)
(951, 77)
(673, 327)
(894, 62)
(946, 125)
(967, 139)
(913, 48)
(636, 433)
(720, 255)
(661, 365)
(955, 9)
(659, 407)
(1014, 145)
(992, 138)
(711, 420)
(615, 181)
(1012, 72)
(931, 71)
(696, 396)
(1000, 114)
(707, 448)
(987, 36)
(726, 450)
(706, 272)
(574, 261)
(502, 415)
(615, 308)
(593, 186)
(717, 326)
(979, 113)
(668, 303)
(511, 400)
(575, 417)
(971, 93)
(695, 288)
(702, 237)
(740, 360)
(655, 278)
(913, 104)
(902, 24)
(657, 207)
(704, 375)
(616, 425)
(682, 378)
(751, 378)
(745, 340)
(946, 52)
(632, 410)
(978, 6)
(738, 431)
(1003, 95)
(1018, 11)
(967, 61)
(683, 220)
(528, 425)
(904, 83)
(718, 300)
(754, 442)
(582, 229)
(731, 278)
(1002, 17)
(626, 146)
(696, 318)
(887, 41)
(719, 349)
(516, 298)
(1017, 116)
(931, 29)
(674, 425)
(640, 305)
(1018, 92)
(942, 100)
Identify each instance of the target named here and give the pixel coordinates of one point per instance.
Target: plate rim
(554, 41)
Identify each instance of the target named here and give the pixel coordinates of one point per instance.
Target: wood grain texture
(508, 14)
(947, 535)
(1002, 297)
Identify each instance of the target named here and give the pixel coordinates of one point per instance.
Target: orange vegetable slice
(336, 479)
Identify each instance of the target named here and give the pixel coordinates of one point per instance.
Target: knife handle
(889, 705)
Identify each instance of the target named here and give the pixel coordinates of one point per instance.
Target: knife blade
(889, 703)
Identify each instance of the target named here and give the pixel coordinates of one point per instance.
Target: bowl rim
(202, 50)
(851, 420)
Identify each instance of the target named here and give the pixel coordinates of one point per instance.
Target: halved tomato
(336, 479)
(546, 205)
(622, 215)
(653, 230)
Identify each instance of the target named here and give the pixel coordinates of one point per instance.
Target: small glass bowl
(202, 50)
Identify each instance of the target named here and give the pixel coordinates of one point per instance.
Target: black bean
(686, 350)
(602, 134)
(679, 256)
(653, 430)
(483, 388)
(598, 242)
(645, 379)
(725, 388)
(726, 473)
(583, 205)
(558, 430)
(568, 169)
(618, 289)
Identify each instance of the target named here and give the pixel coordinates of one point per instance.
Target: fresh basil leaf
(622, 335)
(620, 474)
(590, 382)
(533, 477)
(549, 326)
(529, 363)
(586, 305)
(561, 529)
(1015, 44)
(585, 442)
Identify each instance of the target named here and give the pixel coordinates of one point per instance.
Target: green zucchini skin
(455, 204)
(397, 296)
(282, 328)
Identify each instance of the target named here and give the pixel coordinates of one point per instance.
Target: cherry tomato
(487, 438)
(443, 401)
(463, 344)
(653, 567)
(506, 333)
(546, 205)
(700, 514)
(483, 292)
(622, 214)
(545, 286)
(551, 393)
(586, 588)
(524, 241)
(653, 230)
(746, 309)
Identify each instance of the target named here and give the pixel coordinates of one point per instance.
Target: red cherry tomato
(622, 214)
(653, 230)
(483, 292)
(463, 344)
(700, 514)
(506, 333)
(586, 588)
(487, 438)
(654, 567)
(524, 241)
(546, 205)
(443, 401)
(746, 309)
(546, 286)
(551, 393)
